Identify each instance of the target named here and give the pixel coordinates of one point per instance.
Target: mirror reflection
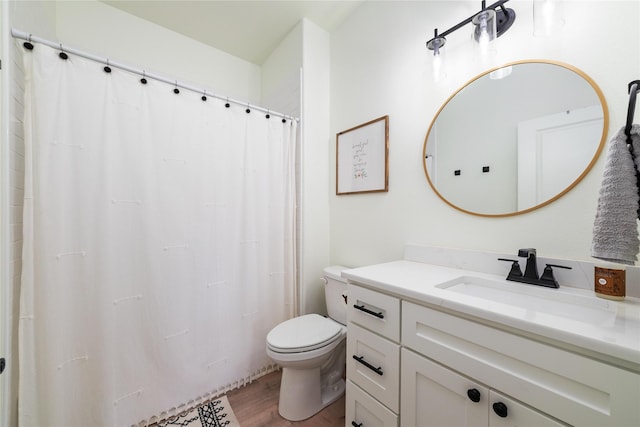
(515, 138)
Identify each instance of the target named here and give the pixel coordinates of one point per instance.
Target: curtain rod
(106, 61)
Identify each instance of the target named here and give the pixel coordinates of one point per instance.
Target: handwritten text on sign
(360, 154)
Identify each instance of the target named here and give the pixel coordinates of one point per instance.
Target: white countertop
(614, 338)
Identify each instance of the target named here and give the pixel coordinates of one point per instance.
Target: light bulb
(484, 28)
(437, 58)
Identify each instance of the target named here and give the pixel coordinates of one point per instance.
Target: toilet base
(302, 394)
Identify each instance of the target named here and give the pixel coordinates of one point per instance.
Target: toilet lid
(303, 333)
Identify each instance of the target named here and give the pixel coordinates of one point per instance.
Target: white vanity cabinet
(415, 364)
(373, 359)
(537, 384)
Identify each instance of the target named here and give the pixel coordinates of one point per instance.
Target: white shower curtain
(158, 244)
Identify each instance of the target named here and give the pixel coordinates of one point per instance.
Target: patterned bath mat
(215, 413)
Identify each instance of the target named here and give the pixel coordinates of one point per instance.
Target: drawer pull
(360, 359)
(366, 310)
(500, 409)
(474, 395)
(354, 424)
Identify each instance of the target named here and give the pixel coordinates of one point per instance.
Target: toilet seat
(304, 333)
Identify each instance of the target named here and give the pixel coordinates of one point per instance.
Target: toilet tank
(335, 292)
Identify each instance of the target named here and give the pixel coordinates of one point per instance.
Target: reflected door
(552, 153)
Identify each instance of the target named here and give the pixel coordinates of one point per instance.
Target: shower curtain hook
(268, 114)
(248, 110)
(107, 69)
(176, 90)
(143, 80)
(227, 105)
(62, 54)
(204, 95)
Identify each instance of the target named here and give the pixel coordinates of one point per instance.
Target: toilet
(311, 351)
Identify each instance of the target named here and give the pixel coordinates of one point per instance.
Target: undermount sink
(534, 299)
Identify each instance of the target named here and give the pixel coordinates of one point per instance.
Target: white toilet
(311, 351)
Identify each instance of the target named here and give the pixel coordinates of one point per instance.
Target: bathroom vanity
(435, 345)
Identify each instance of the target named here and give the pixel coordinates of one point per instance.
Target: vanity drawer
(570, 387)
(375, 311)
(373, 363)
(362, 409)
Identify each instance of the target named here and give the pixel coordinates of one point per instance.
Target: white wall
(103, 30)
(280, 75)
(379, 65)
(315, 166)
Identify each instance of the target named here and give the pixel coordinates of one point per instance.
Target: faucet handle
(547, 279)
(515, 268)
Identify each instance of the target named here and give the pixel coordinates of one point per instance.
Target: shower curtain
(159, 238)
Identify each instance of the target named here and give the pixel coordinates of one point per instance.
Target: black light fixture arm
(499, 3)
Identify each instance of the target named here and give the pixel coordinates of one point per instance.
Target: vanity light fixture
(492, 21)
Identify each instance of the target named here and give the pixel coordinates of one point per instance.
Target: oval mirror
(515, 138)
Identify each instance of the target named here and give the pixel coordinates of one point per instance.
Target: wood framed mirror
(515, 138)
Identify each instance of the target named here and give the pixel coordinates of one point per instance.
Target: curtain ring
(28, 45)
(176, 90)
(204, 95)
(62, 54)
(143, 80)
(107, 69)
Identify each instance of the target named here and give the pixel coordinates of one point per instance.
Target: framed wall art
(362, 158)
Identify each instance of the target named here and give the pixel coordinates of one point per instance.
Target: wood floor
(256, 405)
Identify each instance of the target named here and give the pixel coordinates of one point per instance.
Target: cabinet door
(363, 410)
(434, 396)
(505, 412)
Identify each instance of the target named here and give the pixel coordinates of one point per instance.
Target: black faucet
(531, 269)
(530, 275)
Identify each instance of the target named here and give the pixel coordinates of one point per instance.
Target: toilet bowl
(311, 351)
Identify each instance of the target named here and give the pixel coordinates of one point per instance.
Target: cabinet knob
(500, 409)
(474, 395)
